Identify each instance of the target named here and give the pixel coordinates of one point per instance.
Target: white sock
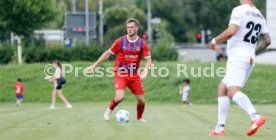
(244, 102)
(17, 102)
(223, 108)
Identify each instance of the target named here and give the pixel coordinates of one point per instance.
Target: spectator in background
(185, 92)
(221, 54)
(57, 85)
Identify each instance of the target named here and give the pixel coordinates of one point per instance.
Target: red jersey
(18, 88)
(129, 53)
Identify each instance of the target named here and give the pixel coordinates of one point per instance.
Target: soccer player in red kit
(19, 91)
(129, 50)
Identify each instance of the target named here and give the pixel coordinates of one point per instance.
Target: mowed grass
(166, 121)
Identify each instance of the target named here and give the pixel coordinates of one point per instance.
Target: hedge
(78, 53)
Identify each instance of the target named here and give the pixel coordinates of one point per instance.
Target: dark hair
(132, 20)
(19, 80)
(57, 62)
(186, 80)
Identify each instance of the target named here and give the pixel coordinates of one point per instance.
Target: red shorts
(133, 82)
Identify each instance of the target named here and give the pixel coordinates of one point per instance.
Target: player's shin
(140, 110)
(113, 104)
(223, 108)
(244, 102)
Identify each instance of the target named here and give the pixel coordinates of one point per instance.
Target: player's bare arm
(147, 67)
(50, 78)
(225, 35)
(103, 57)
(264, 42)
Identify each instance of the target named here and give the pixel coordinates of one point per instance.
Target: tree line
(181, 19)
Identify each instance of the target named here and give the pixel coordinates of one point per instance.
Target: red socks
(140, 110)
(112, 104)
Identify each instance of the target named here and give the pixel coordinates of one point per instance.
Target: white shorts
(185, 97)
(237, 73)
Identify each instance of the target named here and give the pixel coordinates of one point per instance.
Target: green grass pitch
(166, 121)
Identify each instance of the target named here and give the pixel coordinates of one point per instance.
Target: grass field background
(260, 88)
(35, 121)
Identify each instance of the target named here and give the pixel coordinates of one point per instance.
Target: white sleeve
(264, 27)
(236, 17)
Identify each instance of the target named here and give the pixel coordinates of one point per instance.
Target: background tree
(184, 18)
(115, 19)
(80, 5)
(24, 16)
(58, 21)
(3, 33)
(188, 17)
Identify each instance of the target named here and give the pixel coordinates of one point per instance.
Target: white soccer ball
(122, 115)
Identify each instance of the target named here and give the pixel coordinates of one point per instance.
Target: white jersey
(251, 22)
(185, 93)
(186, 90)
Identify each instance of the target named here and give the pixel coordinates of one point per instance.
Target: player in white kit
(245, 26)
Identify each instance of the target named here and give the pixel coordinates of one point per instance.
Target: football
(122, 115)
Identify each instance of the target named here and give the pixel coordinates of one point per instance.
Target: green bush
(83, 53)
(163, 53)
(86, 53)
(31, 54)
(77, 53)
(6, 54)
